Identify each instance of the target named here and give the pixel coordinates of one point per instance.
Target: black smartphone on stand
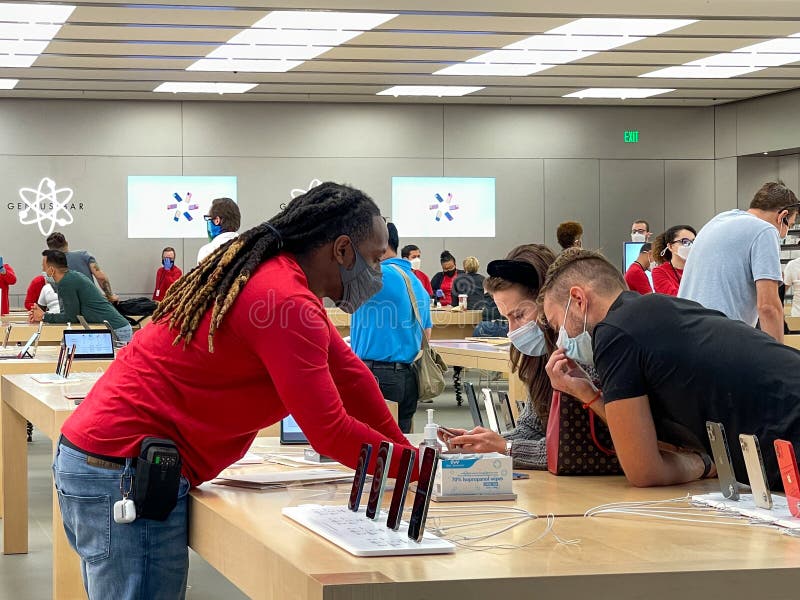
(400, 489)
(358, 479)
(382, 461)
(422, 499)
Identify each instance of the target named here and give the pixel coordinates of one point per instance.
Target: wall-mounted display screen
(172, 206)
(446, 207)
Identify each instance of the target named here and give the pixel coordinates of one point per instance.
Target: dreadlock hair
(308, 222)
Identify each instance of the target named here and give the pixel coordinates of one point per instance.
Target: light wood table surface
(480, 355)
(447, 324)
(243, 534)
(44, 362)
(52, 335)
(44, 405)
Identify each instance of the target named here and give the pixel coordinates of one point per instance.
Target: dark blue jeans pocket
(87, 521)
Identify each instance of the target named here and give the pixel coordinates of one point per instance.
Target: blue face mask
(167, 262)
(212, 230)
(578, 348)
(359, 284)
(529, 339)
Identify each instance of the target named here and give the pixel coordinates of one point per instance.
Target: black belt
(100, 460)
(372, 364)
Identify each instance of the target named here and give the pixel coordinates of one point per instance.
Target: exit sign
(631, 137)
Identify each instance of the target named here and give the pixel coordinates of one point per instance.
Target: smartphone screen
(382, 461)
(400, 489)
(416, 523)
(722, 459)
(787, 463)
(359, 478)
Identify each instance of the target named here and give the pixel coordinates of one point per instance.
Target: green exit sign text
(631, 137)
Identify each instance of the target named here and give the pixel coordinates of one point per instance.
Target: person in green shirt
(79, 296)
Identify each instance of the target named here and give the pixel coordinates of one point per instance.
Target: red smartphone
(787, 463)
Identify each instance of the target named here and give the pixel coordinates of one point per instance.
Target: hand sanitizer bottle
(431, 439)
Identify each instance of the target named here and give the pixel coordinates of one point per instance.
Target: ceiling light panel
(283, 40)
(567, 43)
(623, 27)
(199, 87)
(701, 72)
(27, 29)
(749, 59)
(8, 84)
(494, 70)
(621, 93)
(429, 90)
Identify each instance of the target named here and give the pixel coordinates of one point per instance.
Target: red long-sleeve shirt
(164, 279)
(667, 279)
(34, 289)
(637, 280)
(426, 281)
(275, 353)
(7, 279)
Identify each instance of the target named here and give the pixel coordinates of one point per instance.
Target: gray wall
(551, 163)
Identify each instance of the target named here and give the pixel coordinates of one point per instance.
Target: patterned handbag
(577, 442)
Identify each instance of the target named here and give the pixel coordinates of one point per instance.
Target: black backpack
(136, 307)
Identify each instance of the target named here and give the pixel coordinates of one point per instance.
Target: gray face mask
(359, 284)
(48, 279)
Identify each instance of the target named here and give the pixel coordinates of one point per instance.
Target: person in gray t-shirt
(82, 262)
(734, 266)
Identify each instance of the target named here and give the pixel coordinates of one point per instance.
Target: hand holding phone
(447, 433)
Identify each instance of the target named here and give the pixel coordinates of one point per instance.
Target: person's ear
(216, 220)
(343, 251)
(578, 296)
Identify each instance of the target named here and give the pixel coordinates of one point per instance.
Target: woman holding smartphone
(514, 284)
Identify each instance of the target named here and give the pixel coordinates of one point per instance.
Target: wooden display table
(447, 324)
(52, 335)
(480, 355)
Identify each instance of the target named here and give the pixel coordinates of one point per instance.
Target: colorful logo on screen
(443, 208)
(182, 207)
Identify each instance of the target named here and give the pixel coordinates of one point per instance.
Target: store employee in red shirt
(442, 282)
(636, 275)
(167, 274)
(238, 343)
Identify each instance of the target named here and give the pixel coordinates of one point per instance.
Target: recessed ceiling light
(283, 40)
(700, 72)
(8, 84)
(565, 44)
(623, 27)
(531, 57)
(506, 70)
(201, 87)
(622, 93)
(428, 90)
(749, 59)
(27, 29)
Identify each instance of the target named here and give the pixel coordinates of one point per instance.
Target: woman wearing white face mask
(673, 247)
(514, 284)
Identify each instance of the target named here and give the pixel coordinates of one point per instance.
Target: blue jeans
(491, 329)
(144, 559)
(124, 333)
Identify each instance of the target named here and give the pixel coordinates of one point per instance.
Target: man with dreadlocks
(248, 341)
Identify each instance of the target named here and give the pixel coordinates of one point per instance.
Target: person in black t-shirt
(667, 366)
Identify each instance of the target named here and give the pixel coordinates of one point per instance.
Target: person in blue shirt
(385, 334)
